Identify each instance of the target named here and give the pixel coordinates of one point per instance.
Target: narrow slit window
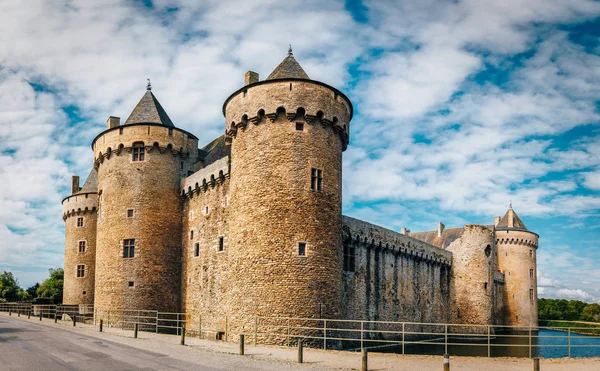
(80, 271)
(129, 248)
(220, 247)
(197, 249)
(531, 294)
(316, 179)
(82, 246)
(302, 249)
(192, 234)
(170, 131)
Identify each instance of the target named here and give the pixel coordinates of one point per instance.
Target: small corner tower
(140, 165)
(517, 251)
(79, 214)
(287, 134)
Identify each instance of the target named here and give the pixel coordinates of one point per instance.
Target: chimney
(250, 78)
(441, 227)
(113, 122)
(75, 184)
(496, 220)
(405, 231)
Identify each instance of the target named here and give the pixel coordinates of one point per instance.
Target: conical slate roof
(517, 223)
(149, 111)
(91, 183)
(288, 68)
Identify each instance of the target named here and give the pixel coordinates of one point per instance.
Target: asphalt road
(31, 346)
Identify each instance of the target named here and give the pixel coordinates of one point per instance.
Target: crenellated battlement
(518, 241)
(371, 236)
(204, 179)
(153, 137)
(79, 204)
(296, 99)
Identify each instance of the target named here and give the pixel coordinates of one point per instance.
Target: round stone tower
(140, 165)
(517, 250)
(79, 214)
(287, 135)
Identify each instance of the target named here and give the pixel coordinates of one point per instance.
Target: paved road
(27, 345)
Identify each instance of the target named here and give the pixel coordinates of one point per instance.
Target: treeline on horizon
(568, 310)
(51, 288)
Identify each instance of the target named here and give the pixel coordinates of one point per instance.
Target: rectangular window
(349, 257)
(316, 179)
(531, 294)
(138, 153)
(81, 246)
(130, 213)
(301, 248)
(80, 222)
(80, 271)
(131, 284)
(531, 273)
(192, 234)
(299, 126)
(531, 253)
(170, 131)
(220, 247)
(197, 249)
(485, 285)
(129, 248)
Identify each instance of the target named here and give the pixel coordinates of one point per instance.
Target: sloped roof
(149, 111)
(517, 222)
(449, 235)
(288, 68)
(214, 151)
(91, 183)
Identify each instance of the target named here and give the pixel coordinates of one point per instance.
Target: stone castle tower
(287, 134)
(251, 224)
(517, 251)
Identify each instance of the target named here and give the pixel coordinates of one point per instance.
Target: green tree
(52, 287)
(9, 287)
(32, 291)
(591, 312)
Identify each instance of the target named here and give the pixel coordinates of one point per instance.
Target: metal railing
(564, 339)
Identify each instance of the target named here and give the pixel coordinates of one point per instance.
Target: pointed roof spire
(149, 111)
(511, 220)
(288, 68)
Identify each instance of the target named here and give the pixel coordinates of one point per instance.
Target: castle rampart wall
(396, 277)
(80, 290)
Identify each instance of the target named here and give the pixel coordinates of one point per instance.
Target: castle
(252, 223)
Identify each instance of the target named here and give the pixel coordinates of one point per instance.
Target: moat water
(545, 344)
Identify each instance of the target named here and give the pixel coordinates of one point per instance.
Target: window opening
(301, 248)
(129, 248)
(81, 246)
(139, 152)
(300, 126)
(197, 249)
(316, 178)
(220, 247)
(80, 271)
(80, 222)
(130, 213)
(349, 257)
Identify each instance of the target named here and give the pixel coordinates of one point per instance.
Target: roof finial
(290, 51)
(510, 204)
(149, 85)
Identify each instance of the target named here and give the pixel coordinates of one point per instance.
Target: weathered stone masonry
(251, 224)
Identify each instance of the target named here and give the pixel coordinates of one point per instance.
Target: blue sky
(461, 107)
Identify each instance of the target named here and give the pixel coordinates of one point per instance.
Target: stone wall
(152, 279)
(517, 253)
(396, 278)
(472, 277)
(79, 290)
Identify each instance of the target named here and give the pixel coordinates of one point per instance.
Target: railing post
(74, 320)
(241, 345)
(199, 326)
(288, 332)
(135, 330)
(255, 329)
(182, 342)
(402, 338)
(569, 332)
(536, 364)
(446, 362)
(325, 334)
(226, 328)
(41, 311)
(529, 341)
(362, 329)
(489, 342)
(445, 338)
(300, 350)
(365, 359)
(29, 313)
(101, 323)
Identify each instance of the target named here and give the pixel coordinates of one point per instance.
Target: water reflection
(544, 343)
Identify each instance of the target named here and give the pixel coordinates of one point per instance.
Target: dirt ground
(212, 353)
